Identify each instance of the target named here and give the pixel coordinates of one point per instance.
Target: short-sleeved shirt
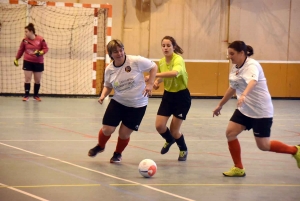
(179, 82)
(29, 46)
(128, 80)
(258, 102)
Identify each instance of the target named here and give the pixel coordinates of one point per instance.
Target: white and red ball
(147, 168)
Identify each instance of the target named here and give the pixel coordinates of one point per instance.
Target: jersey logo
(127, 69)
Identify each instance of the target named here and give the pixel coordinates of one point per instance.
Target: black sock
(27, 88)
(36, 89)
(181, 143)
(167, 136)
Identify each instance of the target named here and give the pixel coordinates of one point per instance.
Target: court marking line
(22, 150)
(102, 173)
(241, 140)
(255, 185)
(97, 185)
(23, 192)
(223, 118)
(58, 185)
(70, 131)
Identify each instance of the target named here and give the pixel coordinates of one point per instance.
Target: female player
(176, 98)
(34, 47)
(128, 105)
(254, 108)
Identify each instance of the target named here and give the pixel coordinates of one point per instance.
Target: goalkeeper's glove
(38, 53)
(16, 63)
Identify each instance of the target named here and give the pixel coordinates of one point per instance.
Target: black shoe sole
(234, 176)
(94, 154)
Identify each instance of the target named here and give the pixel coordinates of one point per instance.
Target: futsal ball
(147, 168)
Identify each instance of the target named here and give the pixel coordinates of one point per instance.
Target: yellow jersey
(178, 83)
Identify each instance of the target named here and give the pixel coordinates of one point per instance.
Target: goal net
(70, 35)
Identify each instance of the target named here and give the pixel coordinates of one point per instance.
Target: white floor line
(22, 149)
(23, 192)
(105, 174)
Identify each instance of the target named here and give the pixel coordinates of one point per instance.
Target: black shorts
(32, 66)
(131, 117)
(261, 127)
(175, 103)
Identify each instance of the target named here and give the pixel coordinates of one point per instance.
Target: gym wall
(204, 28)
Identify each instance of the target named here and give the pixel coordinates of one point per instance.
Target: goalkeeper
(33, 47)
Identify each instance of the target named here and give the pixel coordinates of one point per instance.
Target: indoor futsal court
(44, 146)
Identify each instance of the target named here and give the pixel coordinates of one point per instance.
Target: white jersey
(128, 80)
(258, 102)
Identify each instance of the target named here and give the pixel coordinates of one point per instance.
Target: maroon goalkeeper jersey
(29, 46)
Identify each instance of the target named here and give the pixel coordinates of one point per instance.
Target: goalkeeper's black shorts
(32, 66)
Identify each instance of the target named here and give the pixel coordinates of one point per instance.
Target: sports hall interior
(44, 145)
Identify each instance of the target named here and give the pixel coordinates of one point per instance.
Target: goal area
(76, 35)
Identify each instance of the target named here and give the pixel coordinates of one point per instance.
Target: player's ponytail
(30, 27)
(249, 50)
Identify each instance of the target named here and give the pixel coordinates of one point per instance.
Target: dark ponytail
(177, 48)
(30, 27)
(249, 50)
(240, 46)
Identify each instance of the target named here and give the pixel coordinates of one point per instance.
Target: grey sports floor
(44, 146)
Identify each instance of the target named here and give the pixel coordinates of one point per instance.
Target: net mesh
(69, 34)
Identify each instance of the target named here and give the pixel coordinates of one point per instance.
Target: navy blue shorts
(175, 103)
(261, 127)
(116, 112)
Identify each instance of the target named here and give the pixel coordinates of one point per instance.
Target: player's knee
(230, 134)
(160, 128)
(124, 136)
(175, 132)
(107, 131)
(263, 147)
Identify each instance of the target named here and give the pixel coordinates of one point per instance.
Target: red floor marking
(70, 131)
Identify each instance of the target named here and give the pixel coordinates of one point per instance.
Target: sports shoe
(235, 172)
(25, 98)
(297, 155)
(182, 155)
(166, 147)
(37, 98)
(117, 157)
(97, 149)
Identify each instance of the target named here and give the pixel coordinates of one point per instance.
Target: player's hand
(241, 100)
(16, 63)
(146, 78)
(217, 111)
(38, 53)
(148, 90)
(100, 100)
(156, 85)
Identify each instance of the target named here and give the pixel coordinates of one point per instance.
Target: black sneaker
(117, 157)
(166, 147)
(182, 155)
(97, 149)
